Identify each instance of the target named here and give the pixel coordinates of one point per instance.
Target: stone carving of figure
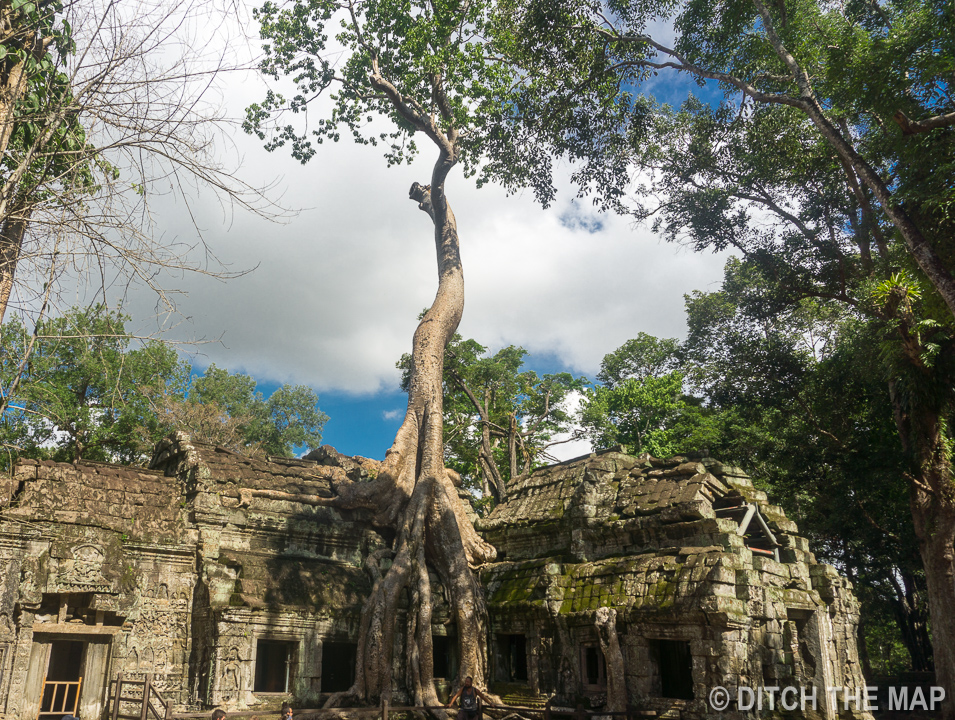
(231, 670)
(146, 660)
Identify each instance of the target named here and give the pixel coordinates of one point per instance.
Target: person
(286, 711)
(469, 696)
(218, 714)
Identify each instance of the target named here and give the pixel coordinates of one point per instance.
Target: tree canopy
(90, 390)
(424, 68)
(499, 418)
(828, 166)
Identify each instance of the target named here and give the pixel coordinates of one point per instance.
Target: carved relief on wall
(160, 660)
(159, 635)
(230, 687)
(83, 572)
(166, 596)
(7, 628)
(157, 625)
(4, 654)
(29, 590)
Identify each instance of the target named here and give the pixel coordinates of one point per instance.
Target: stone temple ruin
(207, 573)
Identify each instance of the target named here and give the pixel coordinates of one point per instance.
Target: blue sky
(366, 424)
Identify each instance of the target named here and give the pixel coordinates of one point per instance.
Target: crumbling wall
(196, 570)
(699, 605)
(96, 554)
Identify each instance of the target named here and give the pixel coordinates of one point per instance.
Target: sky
(333, 291)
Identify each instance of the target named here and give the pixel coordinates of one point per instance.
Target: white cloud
(395, 414)
(335, 293)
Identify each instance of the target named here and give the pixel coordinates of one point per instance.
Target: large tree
(225, 409)
(91, 390)
(84, 391)
(830, 163)
(640, 401)
(423, 66)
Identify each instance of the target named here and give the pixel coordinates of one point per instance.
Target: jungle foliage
(90, 390)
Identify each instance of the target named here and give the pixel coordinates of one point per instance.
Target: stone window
(338, 666)
(273, 661)
(675, 665)
(592, 670)
(512, 655)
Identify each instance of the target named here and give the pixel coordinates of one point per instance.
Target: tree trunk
(13, 78)
(932, 500)
(864, 649)
(935, 529)
(414, 495)
(490, 474)
(512, 445)
(11, 242)
(912, 618)
(489, 467)
(606, 623)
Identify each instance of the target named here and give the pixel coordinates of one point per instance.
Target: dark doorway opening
(338, 666)
(676, 668)
(592, 669)
(273, 659)
(66, 658)
(512, 651)
(61, 691)
(443, 652)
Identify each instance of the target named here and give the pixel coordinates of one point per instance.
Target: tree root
(605, 621)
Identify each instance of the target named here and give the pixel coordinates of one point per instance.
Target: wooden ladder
(59, 698)
(147, 710)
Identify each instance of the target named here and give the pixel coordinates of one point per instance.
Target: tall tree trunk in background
(490, 474)
(13, 77)
(13, 83)
(935, 529)
(912, 618)
(932, 500)
(414, 495)
(11, 242)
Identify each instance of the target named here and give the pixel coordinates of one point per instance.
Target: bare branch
(913, 127)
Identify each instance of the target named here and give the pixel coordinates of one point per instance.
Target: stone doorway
(67, 675)
(60, 694)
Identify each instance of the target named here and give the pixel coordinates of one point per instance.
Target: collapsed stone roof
(134, 502)
(650, 535)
